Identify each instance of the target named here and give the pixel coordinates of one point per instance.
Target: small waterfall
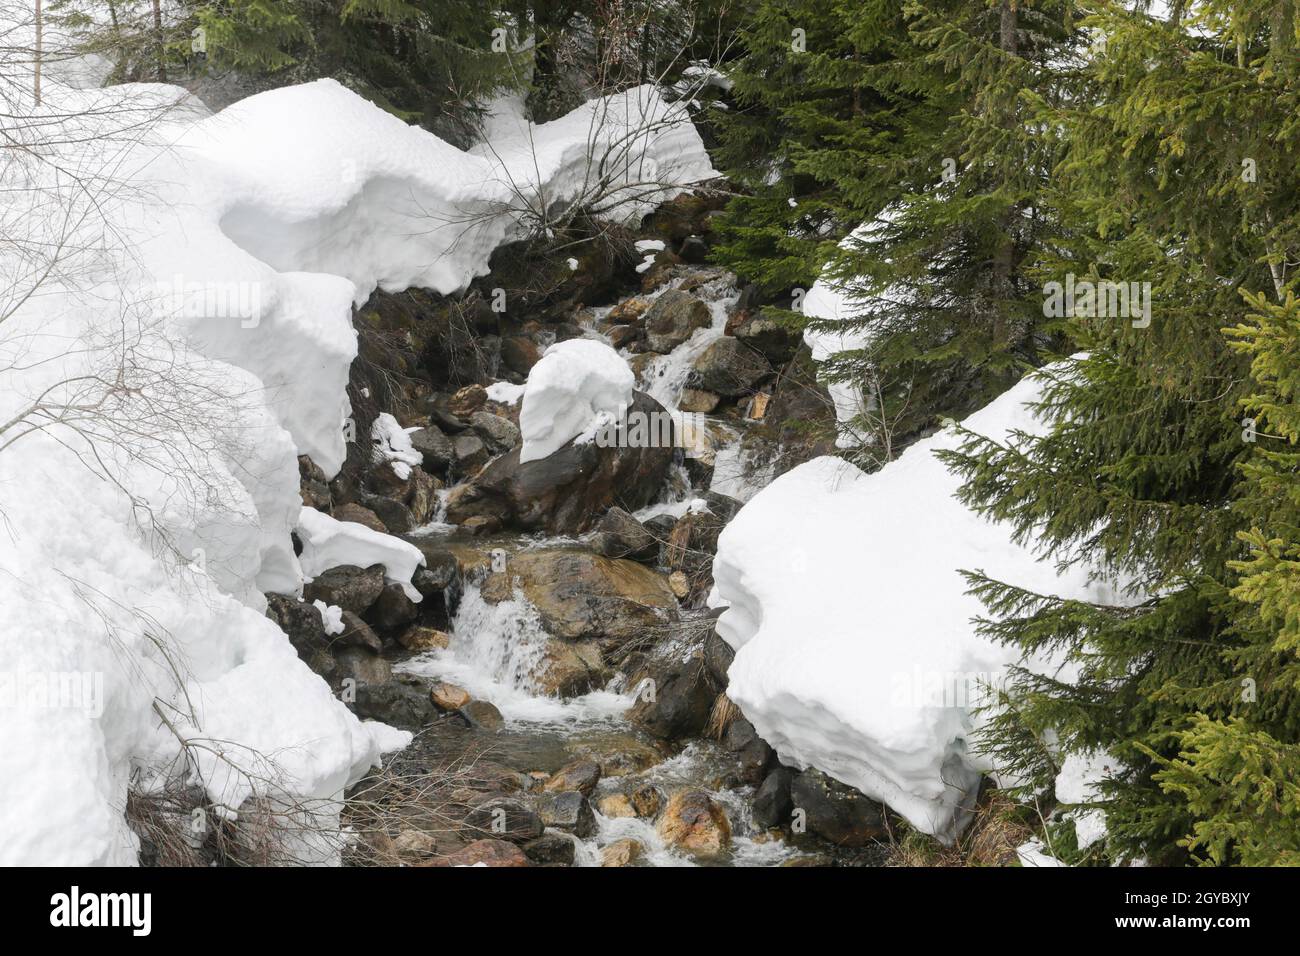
(506, 641)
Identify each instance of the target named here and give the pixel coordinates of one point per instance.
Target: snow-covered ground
(165, 377)
(855, 648)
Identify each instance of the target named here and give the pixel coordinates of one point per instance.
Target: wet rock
(622, 336)
(357, 633)
(361, 665)
(505, 818)
(392, 610)
(569, 811)
(647, 801)
(772, 804)
(750, 749)
(627, 311)
(435, 447)
(470, 451)
(402, 702)
(728, 367)
(698, 401)
(835, 811)
(418, 638)
(776, 341)
(673, 318)
(486, 852)
(519, 353)
(581, 775)
(661, 526)
(301, 621)
(359, 515)
(566, 492)
(695, 823)
(482, 715)
(441, 566)
(448, 696)
(499, 434)
(682, 701)
(395, 517)
(619, 535)
(422, 496)
(550, 848)
(467, 401)
(616, 805)
(581, 595)
(623, 852)
(570, 669)
(351, 588)
(313, 489)
(718, 656)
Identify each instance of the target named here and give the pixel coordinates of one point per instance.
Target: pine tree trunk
(1007, 37)
(1004, 259)
(158, 40)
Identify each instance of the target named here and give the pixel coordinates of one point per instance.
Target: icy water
(494, 653)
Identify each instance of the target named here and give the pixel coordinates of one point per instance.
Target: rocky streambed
(561, 674)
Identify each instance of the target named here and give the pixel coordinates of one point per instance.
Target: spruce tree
(1181, 170)
(906, 163)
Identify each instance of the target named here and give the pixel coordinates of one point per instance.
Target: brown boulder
(584, 596)
(695, 823)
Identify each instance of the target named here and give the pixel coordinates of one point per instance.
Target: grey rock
(728, 367)
(351, 588)
(673, 318)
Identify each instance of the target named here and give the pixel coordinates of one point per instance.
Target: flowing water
(496, 650)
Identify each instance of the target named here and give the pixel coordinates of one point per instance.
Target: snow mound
(855, 651)
(575, 387)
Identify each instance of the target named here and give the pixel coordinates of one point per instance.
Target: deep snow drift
(208, 315)
(855, 651)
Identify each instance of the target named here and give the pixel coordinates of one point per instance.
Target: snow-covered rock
(329, 543)
(855, 648)
(576, 387)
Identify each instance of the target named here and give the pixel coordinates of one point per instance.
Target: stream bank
(561, 674)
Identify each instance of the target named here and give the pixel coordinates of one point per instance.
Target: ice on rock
(855, 651)
(575, 387)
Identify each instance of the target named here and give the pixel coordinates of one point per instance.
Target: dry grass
(725, 710)
(1000, 825)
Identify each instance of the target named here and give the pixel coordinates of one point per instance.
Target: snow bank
(575, 387)
(217, 260)
(855, 651)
